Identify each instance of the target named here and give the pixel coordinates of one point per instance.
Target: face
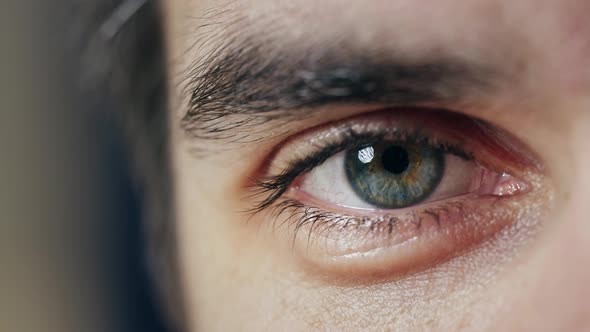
(382, 165)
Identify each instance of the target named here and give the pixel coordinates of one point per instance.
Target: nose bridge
(562, 293)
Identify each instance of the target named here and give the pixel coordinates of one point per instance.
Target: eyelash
(274, 187)
(319, 220)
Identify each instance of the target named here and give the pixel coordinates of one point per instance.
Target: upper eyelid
(367, 128)
(463, 135)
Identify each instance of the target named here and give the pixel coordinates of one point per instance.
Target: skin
(236, 274)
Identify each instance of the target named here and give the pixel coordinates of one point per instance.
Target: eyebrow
(246, 84)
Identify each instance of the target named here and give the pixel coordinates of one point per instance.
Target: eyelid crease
(455, 130)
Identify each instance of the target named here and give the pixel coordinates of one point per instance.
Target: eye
(398, 175)
(384, 194)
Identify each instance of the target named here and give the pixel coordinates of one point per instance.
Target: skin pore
(249, 78)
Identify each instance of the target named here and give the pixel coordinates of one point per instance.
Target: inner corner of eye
(509, 185)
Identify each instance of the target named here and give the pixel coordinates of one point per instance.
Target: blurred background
(71, 236)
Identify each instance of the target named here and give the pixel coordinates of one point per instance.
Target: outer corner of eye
(391, 205)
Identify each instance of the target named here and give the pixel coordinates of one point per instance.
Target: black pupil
(395, 159)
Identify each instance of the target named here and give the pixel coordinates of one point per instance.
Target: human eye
(395, 191)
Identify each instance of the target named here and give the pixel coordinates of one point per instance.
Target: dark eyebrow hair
(245, 84)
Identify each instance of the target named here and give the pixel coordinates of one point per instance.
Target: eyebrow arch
(243, 85)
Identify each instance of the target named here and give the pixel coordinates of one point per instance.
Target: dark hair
(122, 70)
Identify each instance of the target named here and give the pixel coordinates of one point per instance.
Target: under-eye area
(388, 193)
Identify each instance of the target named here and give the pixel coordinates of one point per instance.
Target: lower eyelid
(361, 249)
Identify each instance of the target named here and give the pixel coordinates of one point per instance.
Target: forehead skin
(234, 285)
(526, 33)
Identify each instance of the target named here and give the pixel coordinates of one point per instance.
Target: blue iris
(394, 175)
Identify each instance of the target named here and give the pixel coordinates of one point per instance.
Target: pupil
(395, 159)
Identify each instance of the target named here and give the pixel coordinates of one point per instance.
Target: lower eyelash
(323, 224)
